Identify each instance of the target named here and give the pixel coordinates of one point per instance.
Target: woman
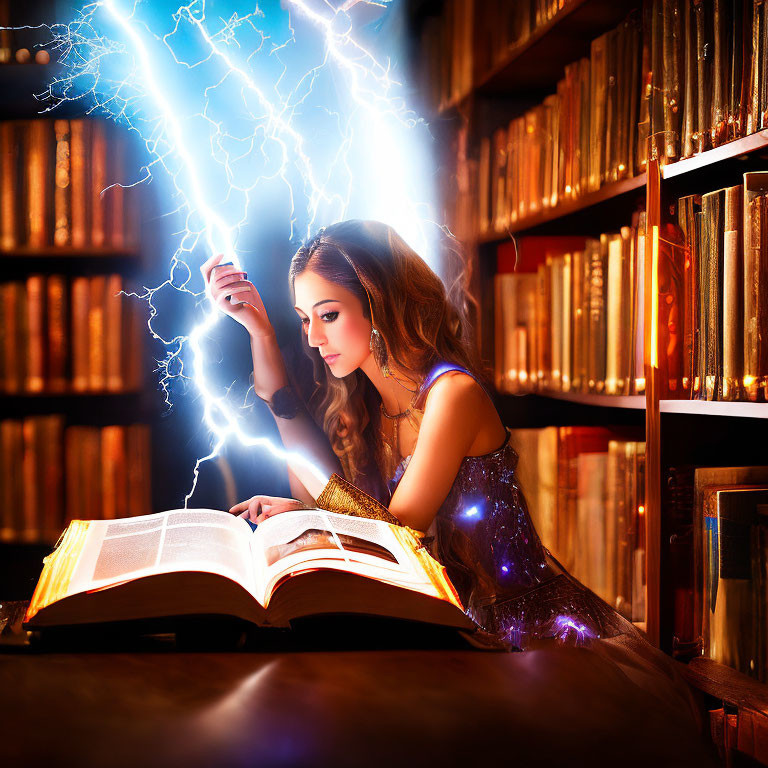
(408, 431)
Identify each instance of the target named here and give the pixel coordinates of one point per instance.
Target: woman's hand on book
(229, 280)
(257, 509)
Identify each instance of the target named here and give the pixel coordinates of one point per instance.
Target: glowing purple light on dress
(472, 512)
(565, 623)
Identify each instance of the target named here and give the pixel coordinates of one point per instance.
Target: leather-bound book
(544, 316)
(98, 182)
(551, 152)
(62, 219)
(615, 298)
(97, 285)
(687, 210)
(31, 466)
(91, 453)
(73, 474)
(671, 80)
(755, 380)
(611, 137)
(713, 212)
(51, 479)
(79, 137)
(567, 130)
(629, 91)
(637, 283)
(580, 315)
(689, 123)
(80, 302)
(498, 197)
(646, 88)
(721, 21)
(57, 334)
(740, 52)
(35, 336)
(704, 44)
(598, 260)
(139, 469)
(733, 288)
(484, 201)
(114, 480)
(135, 329)
(598, 86)
(554, 266)
(669, 342)
(14, 324)
(12, 484)
(9, 186)
(756, 66)
(37, 165)
(566, 357)
(585, 131)
(114, 334)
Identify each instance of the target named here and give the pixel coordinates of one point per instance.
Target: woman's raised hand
(228, 281)
(257, 509)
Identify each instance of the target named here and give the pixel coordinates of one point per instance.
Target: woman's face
(332, 317)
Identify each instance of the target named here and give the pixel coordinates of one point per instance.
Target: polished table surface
(157, 704)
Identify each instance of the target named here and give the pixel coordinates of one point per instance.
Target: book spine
(80, 334)
(98, 163)
(12, 488)
(614, 300)
(35, 305)
(57, 336)
(37, 202)
(9, 181)
(712, 261)
(96, 336)
(62, 228)
(755, 378)
(733, 286)
(31, 465)
(114, 334)
(79, 183)
(566, 375)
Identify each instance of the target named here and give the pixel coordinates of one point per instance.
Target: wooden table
(155, 705)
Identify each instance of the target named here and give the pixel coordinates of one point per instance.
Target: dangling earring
(379, 349)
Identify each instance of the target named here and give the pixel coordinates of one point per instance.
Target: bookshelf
(77, 416)
(678, 432)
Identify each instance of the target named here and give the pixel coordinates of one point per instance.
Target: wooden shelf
(733, 149)
(715, 408)
(539, 61)
(607, 192)
(61, 252)
(636, 402)
(725, 683)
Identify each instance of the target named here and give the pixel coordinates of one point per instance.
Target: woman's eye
(329, 317)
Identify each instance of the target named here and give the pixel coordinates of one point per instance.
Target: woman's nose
(315, 335)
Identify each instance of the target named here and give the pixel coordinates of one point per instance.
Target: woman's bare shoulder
(458, 393)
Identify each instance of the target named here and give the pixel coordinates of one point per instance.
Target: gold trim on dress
(344, 498)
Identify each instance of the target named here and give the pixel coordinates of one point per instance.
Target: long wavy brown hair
(422, 323)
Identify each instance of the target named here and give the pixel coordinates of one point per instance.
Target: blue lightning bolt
(114, 62)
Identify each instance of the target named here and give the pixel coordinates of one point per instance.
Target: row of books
(52, 473)
(705, 65)
(713, 294)
(585, 490)
(60, 334)
(585, 135)
(60, 186)
(719, 560)
(576, 323)
(470, 39)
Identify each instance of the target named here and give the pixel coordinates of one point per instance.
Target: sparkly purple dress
(510, 584)
(578, 649)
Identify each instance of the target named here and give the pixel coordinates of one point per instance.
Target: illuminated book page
(293, 542)
(179, 540)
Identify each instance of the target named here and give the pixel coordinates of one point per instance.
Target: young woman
(402, 424)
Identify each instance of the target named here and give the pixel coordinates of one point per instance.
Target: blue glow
(471, 512)
(277, 113)
(505, 569)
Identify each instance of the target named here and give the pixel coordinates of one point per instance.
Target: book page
(309, 539)
(179, 540)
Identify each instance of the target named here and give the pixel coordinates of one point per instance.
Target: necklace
(395, 419)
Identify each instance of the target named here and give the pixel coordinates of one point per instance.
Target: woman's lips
(330, 359)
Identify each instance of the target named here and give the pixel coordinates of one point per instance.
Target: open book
(206, 562)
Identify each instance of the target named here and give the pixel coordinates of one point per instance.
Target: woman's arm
(299, 434)
(448, 430)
